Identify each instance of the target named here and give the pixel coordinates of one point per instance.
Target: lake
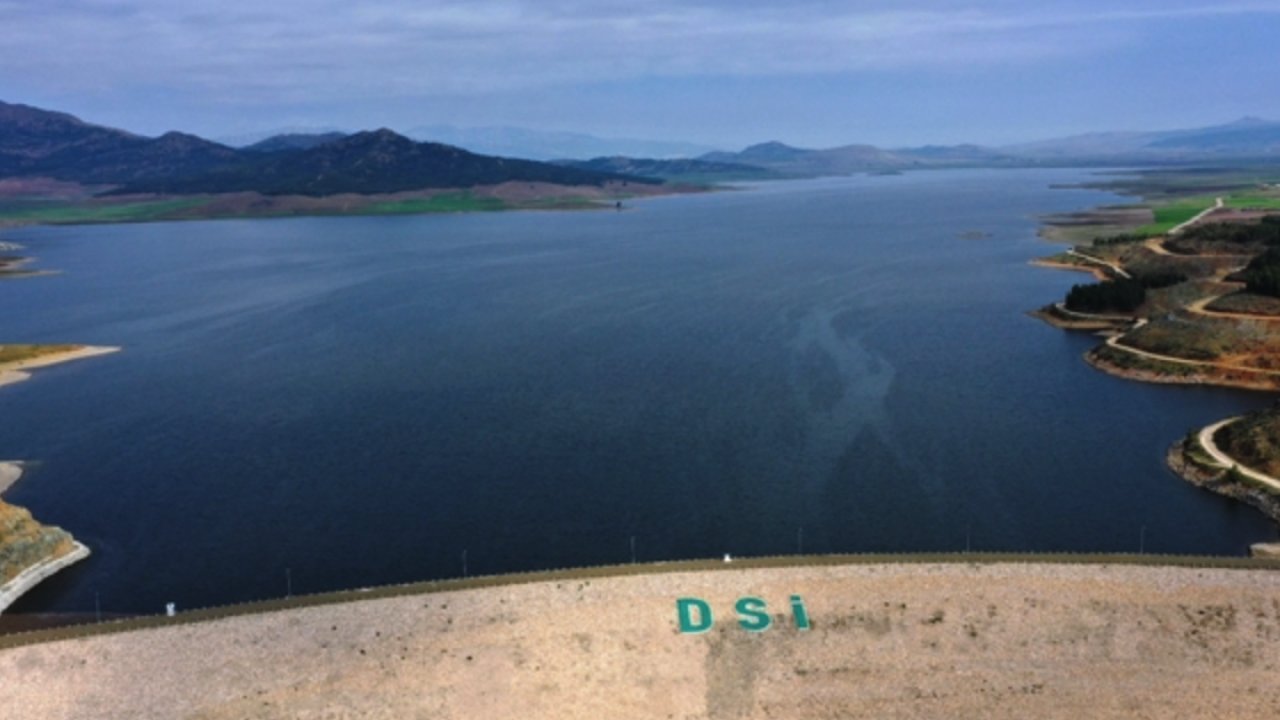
(825, 365)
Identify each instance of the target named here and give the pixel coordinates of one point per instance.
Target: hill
(42, 143)
(958, 155)
(29, 136)
(29, 551)
(172, 155)
(244, 140)
(792, 161)
(1254, 440)
(548, 144)
(683, 169)
(1245, 138)
(288, 142)
(25, 542)
(379, 161)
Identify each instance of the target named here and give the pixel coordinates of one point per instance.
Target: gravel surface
(887, 641)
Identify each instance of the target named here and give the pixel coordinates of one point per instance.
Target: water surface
(822, 364)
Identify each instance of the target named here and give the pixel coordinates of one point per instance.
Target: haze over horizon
(812, 73)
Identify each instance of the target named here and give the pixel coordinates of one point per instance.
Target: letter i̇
(799, 613)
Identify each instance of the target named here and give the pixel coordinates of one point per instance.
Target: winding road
(1217, 205)
(1156, 245)
(1200, 307)
(1062, 308)
(1225, 460)
(1114, 341)
(1115, 268)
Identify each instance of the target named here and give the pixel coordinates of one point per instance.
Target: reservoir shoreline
(33, 552)
(16, 372)
(812, 324)
(1188, 458)
(16, 518)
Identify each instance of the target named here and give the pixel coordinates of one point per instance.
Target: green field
(62, 214)
(443, 203)
(1174, 214)
(46, 212)
(1177, 195)
(467, 202)
(1179, 183)
(1253, 201)
(563, 203)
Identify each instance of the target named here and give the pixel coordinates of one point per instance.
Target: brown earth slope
(25, 542)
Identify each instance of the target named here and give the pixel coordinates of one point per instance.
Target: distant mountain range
(679, 169)
(41, 143)
(367, 163)
(506, 141)
(787, 161)
(790, 160)
(1247, 138)
(551, 145)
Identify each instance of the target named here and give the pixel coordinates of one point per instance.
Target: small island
(13, 265)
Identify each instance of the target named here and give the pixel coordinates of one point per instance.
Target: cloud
(252, 52)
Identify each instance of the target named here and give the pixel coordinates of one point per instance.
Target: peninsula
(30, 551)
(1188, 292)
(17, 360)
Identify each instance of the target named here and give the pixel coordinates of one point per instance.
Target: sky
(725, 73)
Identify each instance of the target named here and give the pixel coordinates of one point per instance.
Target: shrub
(1119, 296)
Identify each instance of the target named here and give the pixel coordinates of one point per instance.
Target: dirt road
(1217, 205)
(1225, 460)
(1114, 342)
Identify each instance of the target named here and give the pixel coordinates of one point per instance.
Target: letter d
(684, 613)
